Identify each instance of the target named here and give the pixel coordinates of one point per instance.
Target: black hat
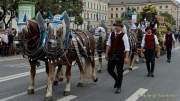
(147, 28)
(118, 23)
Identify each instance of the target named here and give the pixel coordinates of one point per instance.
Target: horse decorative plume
(38, 45)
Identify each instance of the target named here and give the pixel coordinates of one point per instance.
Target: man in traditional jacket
(169, 42)
(117, 50)
(150, 43)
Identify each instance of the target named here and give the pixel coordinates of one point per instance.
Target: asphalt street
(165, 86)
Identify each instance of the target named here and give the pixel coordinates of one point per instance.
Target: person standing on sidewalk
(150, 43)
(169, 43)
(117, 50)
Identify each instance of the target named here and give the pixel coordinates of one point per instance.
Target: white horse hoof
(50, 98)
(30, 91)
(66, 93)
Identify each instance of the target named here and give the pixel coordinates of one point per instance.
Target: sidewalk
(11, 58)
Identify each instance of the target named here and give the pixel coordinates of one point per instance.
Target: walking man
(150, 43)
(169, 43)
(117, 50)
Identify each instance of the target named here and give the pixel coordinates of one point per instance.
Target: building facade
(117, 7)
(94, 12)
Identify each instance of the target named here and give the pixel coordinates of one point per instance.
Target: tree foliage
(74, 9)
(78, 20)
(149, 12)
(46, 5)
(168, 18)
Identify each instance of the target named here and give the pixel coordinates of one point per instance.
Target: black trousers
(169, 49)
(150, 60)
(118, 63)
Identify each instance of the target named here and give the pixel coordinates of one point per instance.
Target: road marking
(67, 98)
(10, 59)
(15, 76)
(11, 77)
(20, 94)
(139, 93)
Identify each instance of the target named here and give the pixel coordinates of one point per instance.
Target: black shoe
(169, 61)
(148, 75)
(118, 91)
(152, 75)
(115, 85)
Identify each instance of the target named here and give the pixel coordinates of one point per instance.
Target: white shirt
(143, 41)
(125, 39)
(4, 38)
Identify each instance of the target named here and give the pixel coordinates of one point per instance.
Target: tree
(74, 9)
(149, 12)
(48, 5)
(78, 20)
(168, 18)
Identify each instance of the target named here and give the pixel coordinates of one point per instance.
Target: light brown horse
(85, 45)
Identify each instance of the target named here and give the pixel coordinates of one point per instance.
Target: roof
(137, 1)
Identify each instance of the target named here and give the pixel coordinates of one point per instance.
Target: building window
(94, 6)
(94, 16)
(122, 9)
(111, 9)
(116, 9)
(137, 8)
(91, 5)
(91, 16)
(111, 15)
(160, 7)
(84, 4)
(105, 17)
(117, 16)
(166, 6)
(84, 15)
(88, 4)
(87, 16)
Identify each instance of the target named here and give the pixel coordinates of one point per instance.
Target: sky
(178, 1)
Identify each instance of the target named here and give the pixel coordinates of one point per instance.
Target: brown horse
(82, 45)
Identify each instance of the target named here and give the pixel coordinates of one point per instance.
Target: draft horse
(38, 48)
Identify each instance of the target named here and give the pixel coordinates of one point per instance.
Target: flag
(25, 18)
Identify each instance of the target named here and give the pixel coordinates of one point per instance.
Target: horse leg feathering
(32, 74)
(51, 70)
(68, 80)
